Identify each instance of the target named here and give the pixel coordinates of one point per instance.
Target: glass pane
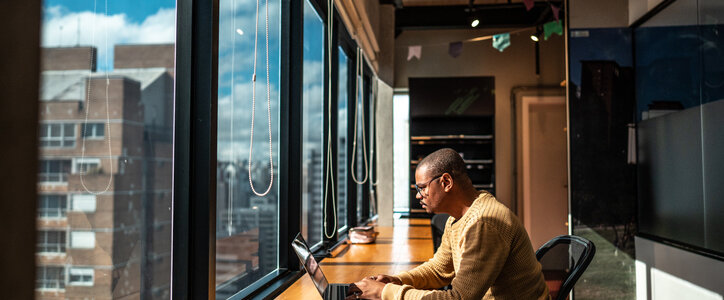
(401, 146)
(108, 62)
(711, 24)
(313, 126)
(68, 130)
(342, 100)
(54, 130)
(247, 230)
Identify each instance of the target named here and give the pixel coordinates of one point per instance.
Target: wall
(609, 13)
(664, 272)
(384, 153)
(638, 8)
(513, 67)
(19, 81)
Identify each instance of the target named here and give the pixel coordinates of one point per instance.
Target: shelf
(467, 161)
(451, 137)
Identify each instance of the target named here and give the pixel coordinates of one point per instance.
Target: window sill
(274, 287)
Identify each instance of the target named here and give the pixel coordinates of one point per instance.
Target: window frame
(62, 247)
(70, 275)
(62, 209)
(47, 137)
(61, 282)
(93, 130)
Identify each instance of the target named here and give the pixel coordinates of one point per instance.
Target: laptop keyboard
(336, 291)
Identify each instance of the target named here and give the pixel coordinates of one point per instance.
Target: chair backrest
(437, 224)
(564, 259)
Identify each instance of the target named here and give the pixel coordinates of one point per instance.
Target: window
(51, 241)
(84, 202)
(57, 135)
(313, 126)
(52, 206)
(342, 139)
(54, 171)
(80, 276)
(93, 130)
(86, 166)
(82, 240)
(247, 218)
(50, 277)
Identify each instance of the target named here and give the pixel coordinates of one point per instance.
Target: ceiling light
(475, 23)
(534, 37)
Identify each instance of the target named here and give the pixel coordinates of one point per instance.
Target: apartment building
(104, 184)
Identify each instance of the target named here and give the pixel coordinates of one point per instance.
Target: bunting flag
(555, 11)
(456, 48)
(528, 4)
(552, 27)
(501, 41)
(414, 51)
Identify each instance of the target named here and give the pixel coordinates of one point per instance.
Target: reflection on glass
(313, 126)
(601, 109)
(247, 227)
(105, 165)
(342, 99)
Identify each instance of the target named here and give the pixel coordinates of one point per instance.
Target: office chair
(437, 224)
(564, 259)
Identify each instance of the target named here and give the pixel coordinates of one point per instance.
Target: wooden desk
(398, 248)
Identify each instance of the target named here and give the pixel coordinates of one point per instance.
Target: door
(544, 168)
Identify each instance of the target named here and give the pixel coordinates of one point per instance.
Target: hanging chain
(329, 174)
(87, 109)
(360, 71)
(268, 100)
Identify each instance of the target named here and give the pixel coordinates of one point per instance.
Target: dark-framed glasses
(424, 185)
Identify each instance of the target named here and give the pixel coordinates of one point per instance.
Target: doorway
(542, 201)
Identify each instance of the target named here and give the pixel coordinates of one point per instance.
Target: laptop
(326, 290)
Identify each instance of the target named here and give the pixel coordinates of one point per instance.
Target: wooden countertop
(401, 247)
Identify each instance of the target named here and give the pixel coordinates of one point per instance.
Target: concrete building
(104, 179)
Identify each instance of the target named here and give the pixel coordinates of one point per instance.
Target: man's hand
(366, 289)
(386, 279)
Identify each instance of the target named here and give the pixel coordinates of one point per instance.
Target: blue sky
(136, 11)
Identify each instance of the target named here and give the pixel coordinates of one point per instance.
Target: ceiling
(458, 14)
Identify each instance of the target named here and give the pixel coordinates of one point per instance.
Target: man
(485, 252)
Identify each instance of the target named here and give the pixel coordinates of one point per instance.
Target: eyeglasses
(424, 186)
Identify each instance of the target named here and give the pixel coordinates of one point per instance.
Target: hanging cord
(232, 158)
(328, 174)
(87, 109)
(268, 100)
(359, 71)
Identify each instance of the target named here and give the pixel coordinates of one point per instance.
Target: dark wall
(19, 76)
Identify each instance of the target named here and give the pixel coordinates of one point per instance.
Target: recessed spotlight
(534, 37)
(475, 23)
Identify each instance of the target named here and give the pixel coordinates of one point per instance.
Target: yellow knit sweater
(486, 254)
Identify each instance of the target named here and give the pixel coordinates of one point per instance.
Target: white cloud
(63, 28)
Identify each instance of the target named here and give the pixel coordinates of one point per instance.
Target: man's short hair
(445, 160)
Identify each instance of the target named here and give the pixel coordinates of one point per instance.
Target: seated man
(485, 251)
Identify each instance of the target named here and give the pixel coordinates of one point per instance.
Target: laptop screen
(310, 265)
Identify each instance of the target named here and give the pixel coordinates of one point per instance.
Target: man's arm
(434, 273)
(484, 254)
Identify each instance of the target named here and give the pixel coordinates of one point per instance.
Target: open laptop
(326, 290)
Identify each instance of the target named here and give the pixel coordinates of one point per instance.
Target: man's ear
(447, 182)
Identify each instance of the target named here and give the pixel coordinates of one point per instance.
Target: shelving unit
(457, 113)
